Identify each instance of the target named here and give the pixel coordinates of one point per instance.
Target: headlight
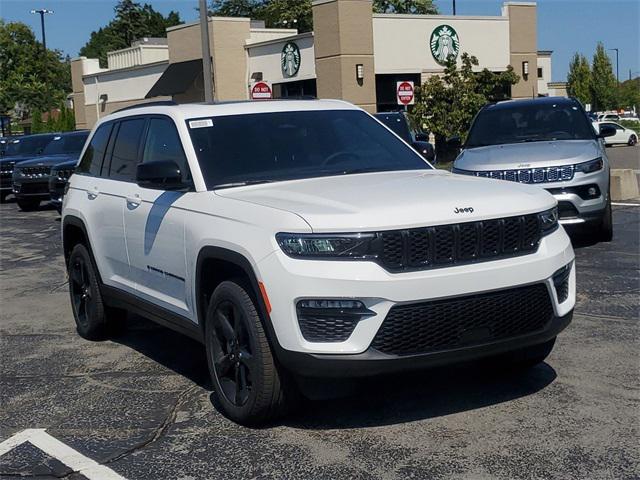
(548, 221)
(590, 166)
(356, 245)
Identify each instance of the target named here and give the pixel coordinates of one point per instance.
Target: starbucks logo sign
(444, 43)
(290, 60)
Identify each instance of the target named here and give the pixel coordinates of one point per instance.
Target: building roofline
(126, 69)
(545, 52)
(411, 16)
(279, 40)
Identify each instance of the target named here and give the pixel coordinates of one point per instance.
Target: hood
(528, 155)
(50, 160)
(67, 164)
(17, 158)
(393, 200)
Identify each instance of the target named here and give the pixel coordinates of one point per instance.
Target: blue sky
(564, 26)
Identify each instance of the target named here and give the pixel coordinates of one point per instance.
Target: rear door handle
(134, 201)
(93, 193)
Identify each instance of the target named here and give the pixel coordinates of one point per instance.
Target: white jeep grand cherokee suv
(305, 239)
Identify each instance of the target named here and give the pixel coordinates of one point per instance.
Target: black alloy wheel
(232, 354)
(248, 383)
(81, 292)
(632, 140)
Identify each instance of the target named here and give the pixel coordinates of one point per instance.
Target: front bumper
(288, 280)
(573, 205)
(372, 362)
(25, 188)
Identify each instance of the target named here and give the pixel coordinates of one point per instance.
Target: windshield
(28, 145)
(66, 144)
(241, 149)
(396, 123)
(534, 122)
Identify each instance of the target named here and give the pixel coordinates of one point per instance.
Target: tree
(132, 21)
(36, 121)
(423, 7)
(629, 94)
(579, 79)
(30, 79)
(447, 104)
(603, 81)
(297, 13)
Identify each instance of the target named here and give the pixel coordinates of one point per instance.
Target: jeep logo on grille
(463, 210)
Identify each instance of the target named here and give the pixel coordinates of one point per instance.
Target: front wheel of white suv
(245, 376)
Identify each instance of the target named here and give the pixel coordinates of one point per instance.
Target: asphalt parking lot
(624, 157)
(141, 405)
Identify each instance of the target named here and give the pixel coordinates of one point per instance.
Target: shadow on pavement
(361, 403)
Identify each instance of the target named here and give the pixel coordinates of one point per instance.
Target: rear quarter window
(91, 162)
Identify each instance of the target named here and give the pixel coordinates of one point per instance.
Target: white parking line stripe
(58, 450)
(626, 204)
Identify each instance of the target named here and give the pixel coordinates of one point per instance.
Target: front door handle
(93, 193)
(133, 202)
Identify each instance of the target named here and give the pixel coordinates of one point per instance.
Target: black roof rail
(159, 103)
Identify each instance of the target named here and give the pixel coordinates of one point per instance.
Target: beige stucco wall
(265, 57)
(523, 42)
(544, 62)
(343, 33)
(401, 42)
(229, 57)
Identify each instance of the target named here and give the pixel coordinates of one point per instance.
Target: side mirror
(606, 131)
(422, 137)
(160, 175)
(454, 142)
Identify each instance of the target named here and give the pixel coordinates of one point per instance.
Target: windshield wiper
(360, 170)
(240, 184)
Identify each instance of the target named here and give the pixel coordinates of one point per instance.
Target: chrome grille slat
(531, 175)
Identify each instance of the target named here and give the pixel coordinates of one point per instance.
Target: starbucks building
(352, 54)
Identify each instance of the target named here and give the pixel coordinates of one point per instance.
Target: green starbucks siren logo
(290, 60)
(444, 43)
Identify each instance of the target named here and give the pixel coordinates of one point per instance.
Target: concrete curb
(624, 184)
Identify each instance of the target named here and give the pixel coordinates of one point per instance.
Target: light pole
(206, 52)
(617, 65)
(454, 7)
(43, 12)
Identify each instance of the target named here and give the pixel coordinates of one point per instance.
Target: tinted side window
(91, 162)
(163, 143)
(125, 150)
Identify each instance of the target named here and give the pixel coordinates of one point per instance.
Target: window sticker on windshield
(201, 123)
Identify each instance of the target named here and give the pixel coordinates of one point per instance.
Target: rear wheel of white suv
(245, 376)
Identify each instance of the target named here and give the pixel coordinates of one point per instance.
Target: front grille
(447, 324)
(34, 172)
(31, 188)
(531, 175)
(445, 245)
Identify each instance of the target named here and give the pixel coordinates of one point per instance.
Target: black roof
(507, 104)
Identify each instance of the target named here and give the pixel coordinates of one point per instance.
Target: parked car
(547, 142)
(19, 149)
(60, 174)
(608, 117)
(399, 124)
(304, 239)
(623, 136)
(31, 177)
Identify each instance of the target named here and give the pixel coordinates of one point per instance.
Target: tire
(604, 230)
(94, 320)
(28, 204)
(524, 358)
(632, 140)
(245, 377)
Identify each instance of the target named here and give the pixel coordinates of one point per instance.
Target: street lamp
(617, 64)
(454, 7)
(43, 12)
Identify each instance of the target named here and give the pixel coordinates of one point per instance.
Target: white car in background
(623, 136)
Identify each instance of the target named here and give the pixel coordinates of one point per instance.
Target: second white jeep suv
(305, 239)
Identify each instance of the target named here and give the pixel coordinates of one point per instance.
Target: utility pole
(617, 65)
(206, 53)
(454, 7)
(42, 12)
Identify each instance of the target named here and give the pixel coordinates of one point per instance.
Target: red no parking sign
(261, 91)
(404, 92)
